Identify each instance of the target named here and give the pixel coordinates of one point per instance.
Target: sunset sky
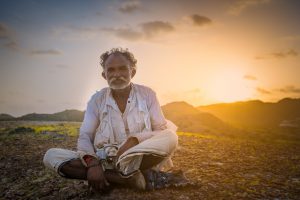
(201, 52)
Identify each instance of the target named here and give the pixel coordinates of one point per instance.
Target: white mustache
(120, 78)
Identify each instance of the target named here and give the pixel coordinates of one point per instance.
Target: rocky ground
(221, 167)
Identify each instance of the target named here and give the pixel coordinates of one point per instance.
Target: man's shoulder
(99, 95)
(144, 90)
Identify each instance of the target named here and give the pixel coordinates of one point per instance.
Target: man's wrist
(88, 159)
(94, 164)
(134, 140)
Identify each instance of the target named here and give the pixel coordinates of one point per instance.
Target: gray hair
(121, 51)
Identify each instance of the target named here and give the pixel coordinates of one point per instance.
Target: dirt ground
(221, 167)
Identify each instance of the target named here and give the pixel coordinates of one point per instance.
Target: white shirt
(104, 123)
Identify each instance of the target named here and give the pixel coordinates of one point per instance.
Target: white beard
(118, 86)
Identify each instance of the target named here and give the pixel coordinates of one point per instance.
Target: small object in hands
(108, 156)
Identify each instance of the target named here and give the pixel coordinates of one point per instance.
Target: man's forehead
(117, 59)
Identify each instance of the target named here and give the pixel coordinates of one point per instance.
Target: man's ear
(133, 71)
(103, 75)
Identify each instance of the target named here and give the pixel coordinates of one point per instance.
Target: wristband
(88, 159)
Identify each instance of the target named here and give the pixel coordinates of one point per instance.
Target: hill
(188, 118)
(185, 116)
(211, 118)
(6, 117)
(258, 114)
(67, 115)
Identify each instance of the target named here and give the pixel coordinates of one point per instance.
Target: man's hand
(131, 142)
(95, 176)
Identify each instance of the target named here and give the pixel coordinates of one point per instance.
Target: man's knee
(50, 156)
(168, 139)
(173, 136)
(170, 136)
(54, 157)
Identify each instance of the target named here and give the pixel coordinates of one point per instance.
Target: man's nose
(116, 73)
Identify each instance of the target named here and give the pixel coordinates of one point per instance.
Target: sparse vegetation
(223, 167)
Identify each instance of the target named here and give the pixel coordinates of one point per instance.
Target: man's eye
(123, 68)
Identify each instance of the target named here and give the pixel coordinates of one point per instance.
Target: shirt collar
(110, 101)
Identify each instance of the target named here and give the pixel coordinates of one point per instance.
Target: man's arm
(130, 142)
(157, 119)
(87, 130)
(95, 173)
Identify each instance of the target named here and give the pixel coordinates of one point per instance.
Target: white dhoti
(162, 144)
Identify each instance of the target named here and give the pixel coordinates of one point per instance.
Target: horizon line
(169, 103)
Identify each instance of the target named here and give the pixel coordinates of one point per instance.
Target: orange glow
(228, 85)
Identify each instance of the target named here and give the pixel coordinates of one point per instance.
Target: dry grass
(222, 167)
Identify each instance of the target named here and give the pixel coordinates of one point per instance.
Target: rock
(46, 191)
(183, 197)
(67, 193)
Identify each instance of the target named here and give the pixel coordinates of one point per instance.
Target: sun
(228, 85)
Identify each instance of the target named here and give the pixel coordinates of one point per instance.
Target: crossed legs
(74, 169)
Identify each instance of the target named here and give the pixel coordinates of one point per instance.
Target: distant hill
(67, 115)
(216, 118)
(6, 117)
(258, 114)
(185, 116)
(190, 119)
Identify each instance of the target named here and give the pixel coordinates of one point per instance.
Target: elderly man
(123, 123)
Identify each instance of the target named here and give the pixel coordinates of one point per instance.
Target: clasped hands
(95, 174)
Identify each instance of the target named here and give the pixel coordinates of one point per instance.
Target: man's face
(117, 71)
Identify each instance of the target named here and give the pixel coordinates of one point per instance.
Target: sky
(201, 52)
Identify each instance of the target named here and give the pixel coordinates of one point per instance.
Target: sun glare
(228, 85)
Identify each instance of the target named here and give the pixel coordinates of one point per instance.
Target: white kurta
(104, 123)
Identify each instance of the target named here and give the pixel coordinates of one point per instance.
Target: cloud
(262, 91)
(75, 33)
(46, 52)
(83, 29)
(250, 77)
(292, 38)
(289, 89)
(279, 55)
(144, 31)
(4, 32)
(259, 57)
(125, 33)
(12, 45)
(7, 35)
(153, 28)
(199, 20)
(291, 52)
(240, 5)
(130, 6)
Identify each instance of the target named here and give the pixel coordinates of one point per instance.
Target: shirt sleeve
(87, 130)
(157, 119)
